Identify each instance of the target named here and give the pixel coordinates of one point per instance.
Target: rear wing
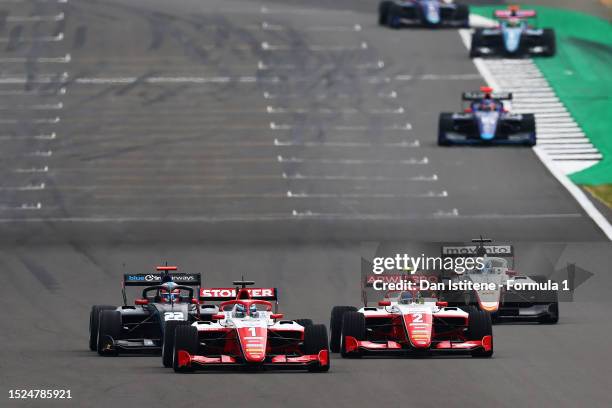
(505, 251)
(469, 250)
(506, 14)
(475, 96)
(223, 294)
(150, 279)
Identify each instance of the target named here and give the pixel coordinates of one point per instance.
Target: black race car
(423, 13)
(513, 37)
(168, 300)
(486, 122)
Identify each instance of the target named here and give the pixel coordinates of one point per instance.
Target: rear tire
(479, 326)
(550, 42)
(353, 324)
(168, 341)
(94, 321)
(445, 124)
(335, 326)
(304, 322)
(109, 330)
(315, 341)
(383, 11)
(185, 338)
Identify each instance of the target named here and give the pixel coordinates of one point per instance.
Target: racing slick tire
(315, 340)
(529, 125)
(463, 14)
(393, 19)
(168, 340)
(353, 324)
(551, 298)
(477, 40)
(335, 326)
(185, 338)
(94, 319)
(550, 42)
(109, 329)
(445, 124)
(304, 322)
(480, 325)
(383, 11)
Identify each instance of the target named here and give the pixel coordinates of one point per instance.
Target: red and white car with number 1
(247, 333)
(410, 322)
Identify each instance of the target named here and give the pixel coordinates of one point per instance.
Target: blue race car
(486, 122)
(513, 37)
(423, 13)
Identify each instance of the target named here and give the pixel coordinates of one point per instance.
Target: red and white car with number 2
(410, 322)
(247, 333)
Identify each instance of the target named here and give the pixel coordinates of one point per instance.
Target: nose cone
(512, 39)
(432, 12)
(418, 326)
(253, 341)
(487, 136)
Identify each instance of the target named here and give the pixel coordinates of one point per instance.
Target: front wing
(364, 347)
(287, 362)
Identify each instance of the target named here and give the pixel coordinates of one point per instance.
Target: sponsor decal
(231, 292)
(469, 250)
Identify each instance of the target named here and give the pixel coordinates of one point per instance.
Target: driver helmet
(240, 310)
(253, 311)
(514, 22)
(169, 294)
(405, 298)
(487, 104)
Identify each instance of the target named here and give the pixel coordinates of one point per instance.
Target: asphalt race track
(266, 140)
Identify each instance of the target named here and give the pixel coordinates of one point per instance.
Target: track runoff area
(287, 122)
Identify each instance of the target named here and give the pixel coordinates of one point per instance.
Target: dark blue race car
(486, 122)
(513, 36)
(423, 13)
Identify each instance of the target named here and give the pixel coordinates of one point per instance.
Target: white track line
(559, 172)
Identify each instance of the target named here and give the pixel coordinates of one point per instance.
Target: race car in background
(486, 122)
(505, 302)
(410, 323)
(246, 333)
(166, 300)
(513, 36)
(424, 13)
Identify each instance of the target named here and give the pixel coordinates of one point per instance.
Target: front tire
(477, 40)
(109, 330)
(315, 341)
(550, 42)
(383, 11)
(94, 321)
(445, 124)
(335, 326)
(463, 14)
(479, 326)
(353, 325)
(186, 338)
(169, 339)
(529, 125)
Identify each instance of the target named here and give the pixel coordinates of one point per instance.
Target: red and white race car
(247, 333)
(410, 322)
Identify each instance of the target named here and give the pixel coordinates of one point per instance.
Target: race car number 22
(173, 316)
